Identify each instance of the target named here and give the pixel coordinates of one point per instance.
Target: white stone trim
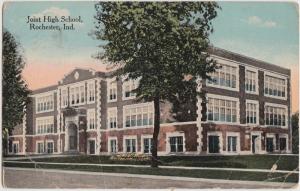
(109, 145)
(174, 134)
(199, 116)
(130, 137)
(255, 70)
(98, 114)
(238, 142)
(24, 132)
(215, 133)
(58, 121)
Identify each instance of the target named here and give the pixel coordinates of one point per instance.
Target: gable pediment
(77, 75)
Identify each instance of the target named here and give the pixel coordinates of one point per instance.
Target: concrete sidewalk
(53, 178)
(166, 167)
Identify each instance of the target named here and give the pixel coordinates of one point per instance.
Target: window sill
(275, 97)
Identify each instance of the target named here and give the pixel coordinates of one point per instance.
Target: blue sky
(267, 31)
(263, 30)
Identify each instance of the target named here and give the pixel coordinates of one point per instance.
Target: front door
(270, 146)
(72, 137)
(92, 147)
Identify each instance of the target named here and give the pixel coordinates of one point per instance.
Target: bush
(130, 157)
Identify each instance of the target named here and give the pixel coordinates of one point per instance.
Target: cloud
(53, 11)
(257, 21)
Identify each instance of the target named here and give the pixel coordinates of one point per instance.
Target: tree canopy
(163, 44)
(14, 88)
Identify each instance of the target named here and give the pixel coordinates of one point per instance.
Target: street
(42, 178)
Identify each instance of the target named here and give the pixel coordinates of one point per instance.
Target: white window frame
(64, 97)
(125, 137)
(142, 142)
(109, 145)
(216, 96)
(49, 141)
(88, 145)
(248, 101)
(282, 77)
(231, 64)
(109, 111)
(36, 147)
(259, 137)
(215, 133)
(174, 134)
(74, 86)
(139, 105)
(93, 90)
(278, 106)
(255, 70)
(91, 115)
(45, 95)
(45, 122)
(286, 136)
(238, 145)
(112, 84)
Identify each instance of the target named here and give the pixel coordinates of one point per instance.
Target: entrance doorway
(213, 144)
(91, 147)
(256, 143)
(72, 137)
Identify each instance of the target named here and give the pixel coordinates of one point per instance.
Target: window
(128, 86)
(91, 119)
(213, 144)
(40, 147)
(45, 125)
(45, 103)
(275, 86)
(130, 145)
(176, 144)
(148, 142)
(50, 147)
(250, 81)
(113, 145)
(251, 113)
(231, 143)
(221, 110)
(226, 76)
(112, 118)
(15, 147)
(282, 143)
(138, 115)
(91, 92)
(77, 94)
(91, 147)
(64, 97)
(112, 91)
(270, 145)
(275, 116)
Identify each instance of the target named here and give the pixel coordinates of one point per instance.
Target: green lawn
(244, 161)
(212, 174)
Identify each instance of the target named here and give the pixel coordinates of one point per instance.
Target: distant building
(247, 110)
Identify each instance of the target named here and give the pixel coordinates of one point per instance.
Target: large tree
(14, 88)
(164, 44)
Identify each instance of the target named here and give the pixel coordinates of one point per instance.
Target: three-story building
(246, 110)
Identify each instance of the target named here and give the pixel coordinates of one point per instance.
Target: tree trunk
(154, 161)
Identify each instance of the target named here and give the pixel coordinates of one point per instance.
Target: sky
(267, 31)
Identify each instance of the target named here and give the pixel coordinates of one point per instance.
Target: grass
(211, 174)
(244, 161)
